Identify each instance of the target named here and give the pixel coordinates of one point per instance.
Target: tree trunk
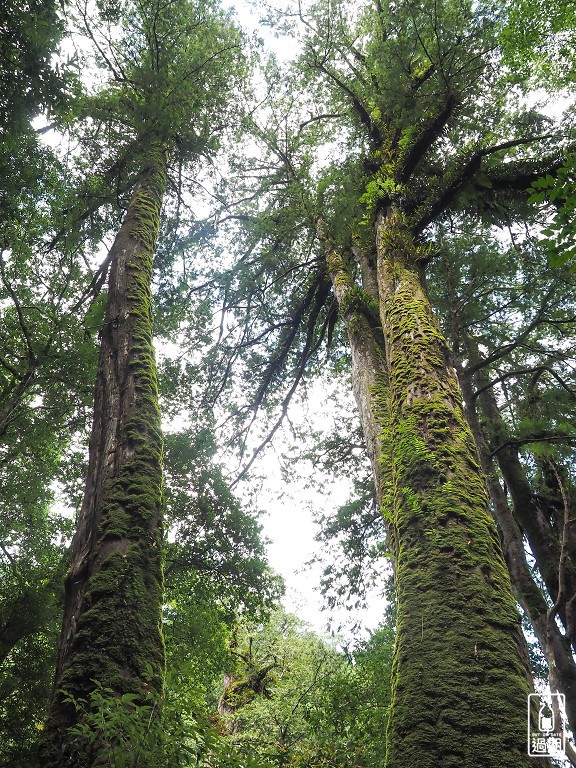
(459, 681)
(359, 311)
(553, 643)
(534, 514)
(112, 618)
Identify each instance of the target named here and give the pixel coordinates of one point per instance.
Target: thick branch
(538, 369)
(470, 168)
(428, 136)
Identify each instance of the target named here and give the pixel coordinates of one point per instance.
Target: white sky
(288, 511)
(289, 508)
(291, 529)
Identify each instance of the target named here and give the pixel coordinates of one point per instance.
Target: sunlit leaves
(539, 40)
(304, 700)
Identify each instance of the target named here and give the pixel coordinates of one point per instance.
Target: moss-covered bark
(459, 681)
(111, 631)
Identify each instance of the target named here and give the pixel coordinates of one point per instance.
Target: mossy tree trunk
(459, 679)
(461, 669)
(112, 618)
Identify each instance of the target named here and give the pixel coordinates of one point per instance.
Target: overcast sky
(289, 508)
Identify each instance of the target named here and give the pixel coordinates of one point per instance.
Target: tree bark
(359, 311)
(459, 681)
(554, 645)
(112, 618)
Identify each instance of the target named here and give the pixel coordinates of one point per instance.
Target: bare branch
(522, 371)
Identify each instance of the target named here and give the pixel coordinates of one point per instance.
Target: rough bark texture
(359, 311)
(111, 630)
(459, 681)
(554, 645)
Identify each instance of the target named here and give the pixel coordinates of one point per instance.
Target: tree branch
(521, 371)
(443, 199)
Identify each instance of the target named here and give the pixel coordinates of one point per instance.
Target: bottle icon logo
(545, 717)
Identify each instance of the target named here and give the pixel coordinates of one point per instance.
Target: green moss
(117, 639)
(358, 309)
(357, 300)
(459, 684)
(239, 694)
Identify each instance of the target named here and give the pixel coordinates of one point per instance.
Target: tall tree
(415, 89)
(44, 361)
(163, 107)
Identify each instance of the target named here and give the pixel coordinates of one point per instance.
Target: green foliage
(30, 624)
(29, 81)
(114, 726)
(305, 702)
(521, 325)
(539, 41)
(217, 548)
(559, 235)
(379, 189)
(354, 550)
(132, 734)
(165, 79)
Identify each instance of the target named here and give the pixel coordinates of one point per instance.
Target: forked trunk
(112, 617)
(459, 680)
